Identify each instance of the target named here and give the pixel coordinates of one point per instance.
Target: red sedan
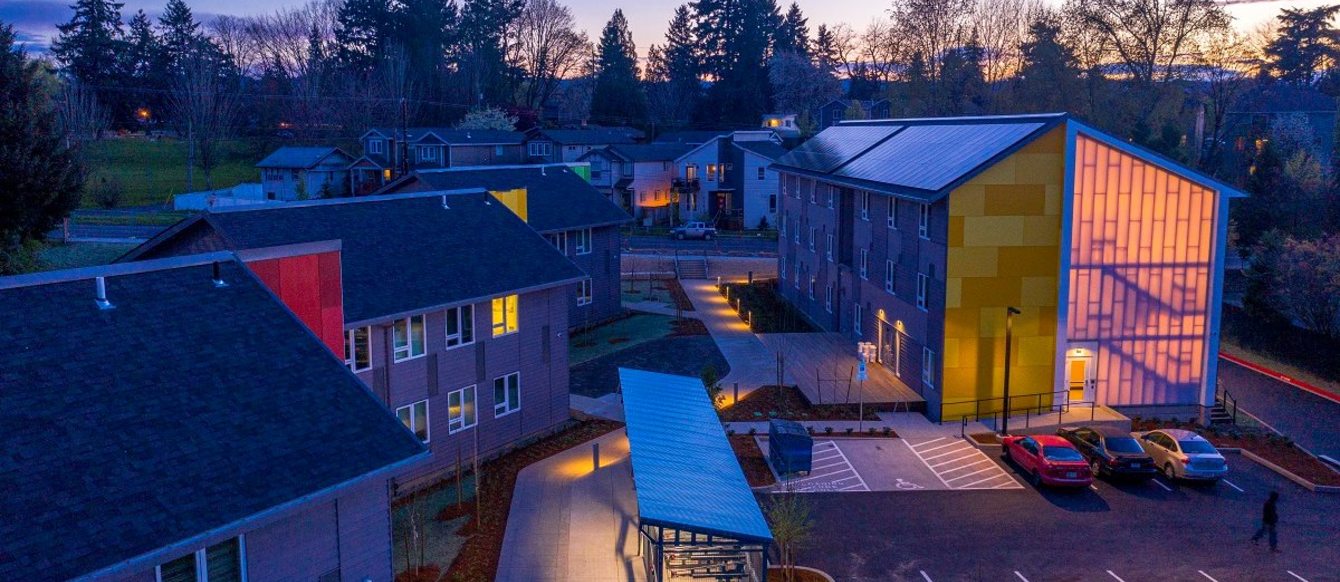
(1048, 460)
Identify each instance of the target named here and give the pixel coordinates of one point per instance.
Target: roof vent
(101, 285)
(444, 203)
(542, 170)
(217, 278)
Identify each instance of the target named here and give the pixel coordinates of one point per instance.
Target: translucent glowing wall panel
(1141, 264)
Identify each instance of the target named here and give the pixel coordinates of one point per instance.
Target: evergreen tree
(363, 29)
(180, 36)
(142, 49)
(422, 29)
(43, 180)
(618, 97)
(962, 83)
(917, 89)
(794, 34)
(735, 37)
(90, 46)
(483, 24)
(825, 49)
(681, 66)
(1049, 78)
(1307, 41)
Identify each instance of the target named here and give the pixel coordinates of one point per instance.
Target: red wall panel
(311, 287)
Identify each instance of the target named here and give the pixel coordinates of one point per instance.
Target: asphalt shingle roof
(765, 148)
(556, 197)
(457, 136)
(692, 137)
(183, 409)
(651, 152)
(407, 253)
(597, 136)
(297, 157)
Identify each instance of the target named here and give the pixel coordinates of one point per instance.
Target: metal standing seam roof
(684, 470)
(835, 146)
(931, 157)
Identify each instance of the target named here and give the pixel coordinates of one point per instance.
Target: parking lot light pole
(1010, 312)
(867, 350)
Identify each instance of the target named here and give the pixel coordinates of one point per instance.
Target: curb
(1301, 385)
(1287, 474)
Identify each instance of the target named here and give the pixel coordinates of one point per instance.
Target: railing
(1029, 406)
(1229, 404)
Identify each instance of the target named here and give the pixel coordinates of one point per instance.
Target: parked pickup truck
(694, 230)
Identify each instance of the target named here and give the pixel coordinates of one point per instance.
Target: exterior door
(1079, 376)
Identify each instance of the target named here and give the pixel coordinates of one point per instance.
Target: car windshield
(1124, 445)
(1196, 447)
(1061, 454)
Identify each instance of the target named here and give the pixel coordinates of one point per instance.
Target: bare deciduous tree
(204, 104)
(1150, 39)
(932, 27)
(546, 46)
(81, 117)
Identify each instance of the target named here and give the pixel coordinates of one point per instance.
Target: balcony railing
(684, 184)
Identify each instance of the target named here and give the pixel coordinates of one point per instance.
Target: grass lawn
(153, 171)
(619, 334)
(1299, 353)
(68, 256)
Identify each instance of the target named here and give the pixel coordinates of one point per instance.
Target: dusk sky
(36, 19)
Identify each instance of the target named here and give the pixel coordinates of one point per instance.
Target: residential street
(1310, 420)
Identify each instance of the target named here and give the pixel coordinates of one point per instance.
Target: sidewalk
(751, 363)
(569, 523)
(905, 424)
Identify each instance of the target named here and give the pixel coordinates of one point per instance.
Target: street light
(867, 350)
(1010, 312)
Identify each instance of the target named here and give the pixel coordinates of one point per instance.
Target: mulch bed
(687, 326)
(776, 573)
(1269, 446)
(478, 560)
(756, 470)
(683, 355)
(985, 438)
(677, 293)
(771, 313)
(428, 573)
(767, 402)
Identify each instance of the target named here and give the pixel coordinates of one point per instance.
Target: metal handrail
(1060, 402)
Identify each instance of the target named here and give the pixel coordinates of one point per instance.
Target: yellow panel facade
(1007, 253)
(514, 200)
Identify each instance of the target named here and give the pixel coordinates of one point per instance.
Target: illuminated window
(584, 292)
(407, 338)
(922, 283)
(460, 326)
(888, 276)
(711, 172)
(221, 562)
(828, 247)
(506, 394)
(504, 315)
(461, 409)
(928, 367)
(893, 213)
(386, 174)
(924, 221)
(415, 418)
(864, 264)
(358, 349)
(583, 241)
(691, 172)
(865, 206)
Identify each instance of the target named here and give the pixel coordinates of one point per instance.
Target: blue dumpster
(790, 447)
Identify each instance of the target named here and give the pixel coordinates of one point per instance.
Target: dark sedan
(1111, 451)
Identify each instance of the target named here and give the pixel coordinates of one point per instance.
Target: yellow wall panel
(1031, 261)
(953, 292)
(989, 290)
(993, 231)
(971, 262)
(1038, 292)
(1015, 200)
(1037, 351)
(1041, 230)
(956, 231)
(968, 200)
(514, 200)
(952, 353)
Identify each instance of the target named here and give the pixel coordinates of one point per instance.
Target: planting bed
(1269, 446)
(767, 402)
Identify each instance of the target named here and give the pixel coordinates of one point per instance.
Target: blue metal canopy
(684, 470)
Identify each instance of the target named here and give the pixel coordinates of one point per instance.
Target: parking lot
(1123, 532)
(901, 465)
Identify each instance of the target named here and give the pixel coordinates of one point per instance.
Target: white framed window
(772, 203)
(811, 287)
(786, 217)
(828, 247)
(559, 240)
(795, 234)
(812, 229)
(415, 418)
(711, 172)
(762, 172)
(864, 264)
(856, 315)
(924, 221)
(408, 338)
(893, 213)
(506, 394)
(358, 348)
(461, 409)
(583, 241)
(691, 172)
(505, 315)
(584, 292)
(889, 271)
(865, 206)
(814, 192)
(922, 283)
(225, 561)
(796, 278)
(375, 146)
(498, 150)
(540, 148)
(460, 326)
(832, 190)
(828, 298)
(928, 367)
(781, 267)
(428, 154)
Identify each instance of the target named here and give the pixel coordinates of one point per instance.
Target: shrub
(887, 431)
(809, 429)
(828, 430)
(850, 430)
(753, 431)
(730, 432)
(871, 431)
(107, 193)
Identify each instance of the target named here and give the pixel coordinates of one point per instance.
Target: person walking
(1269, 517)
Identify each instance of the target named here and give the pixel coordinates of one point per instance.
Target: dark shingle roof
(457, 136)
(183, 409)
(298, 157)
(651, 152)
(696, 137)
(406, 253)
(765, 148)
(556, 197)
(594, 136)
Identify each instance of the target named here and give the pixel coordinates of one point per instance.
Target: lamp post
(867, 351)
(1010, 312)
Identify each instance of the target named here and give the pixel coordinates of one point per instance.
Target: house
(389, 153)
(785, 124)
(921, 235)
(692, 137)
(638, 178)
(548, 146)
(727, 181)
(455, 311)
(172, 420)
(577, 219)
(836, 111)
(300, 173)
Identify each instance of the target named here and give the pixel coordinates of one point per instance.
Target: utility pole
(1010, 312)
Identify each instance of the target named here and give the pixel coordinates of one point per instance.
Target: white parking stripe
(1296, 575)
(972, 473)
(928, 442)
(853, 468)
(1230, 484)
(1011, 484)
(937, 447)
(944, 454)
(1021, 576)
(1211, 578)
(937, 475)
(1114, 575)
(959, 459)
(925, 577)
(1160, 484)
(989, 465)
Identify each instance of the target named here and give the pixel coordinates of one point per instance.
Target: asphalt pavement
(1310, 420)
(729, 245)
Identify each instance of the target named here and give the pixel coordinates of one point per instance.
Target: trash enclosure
(790, 447)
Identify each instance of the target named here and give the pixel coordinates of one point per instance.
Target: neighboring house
(567, 145)
(188, 428)
(561, 205)
(390, 152)
(1256, 110)
(835, 111)
(919, 234)
(455, 311)
(726, 181)
(302, 173)
(785, 124)
(638, 178)
(692, 138)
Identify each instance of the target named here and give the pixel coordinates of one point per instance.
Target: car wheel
(1169, 472)
(1035, 479)
(707, 236)
(680, 236)
(1096, 467)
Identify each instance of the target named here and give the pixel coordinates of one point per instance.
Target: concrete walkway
(752, 364)
(569, 523)
(905, 424)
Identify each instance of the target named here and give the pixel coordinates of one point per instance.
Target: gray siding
(602, 265)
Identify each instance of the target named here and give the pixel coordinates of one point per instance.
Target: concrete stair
(691, 268)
